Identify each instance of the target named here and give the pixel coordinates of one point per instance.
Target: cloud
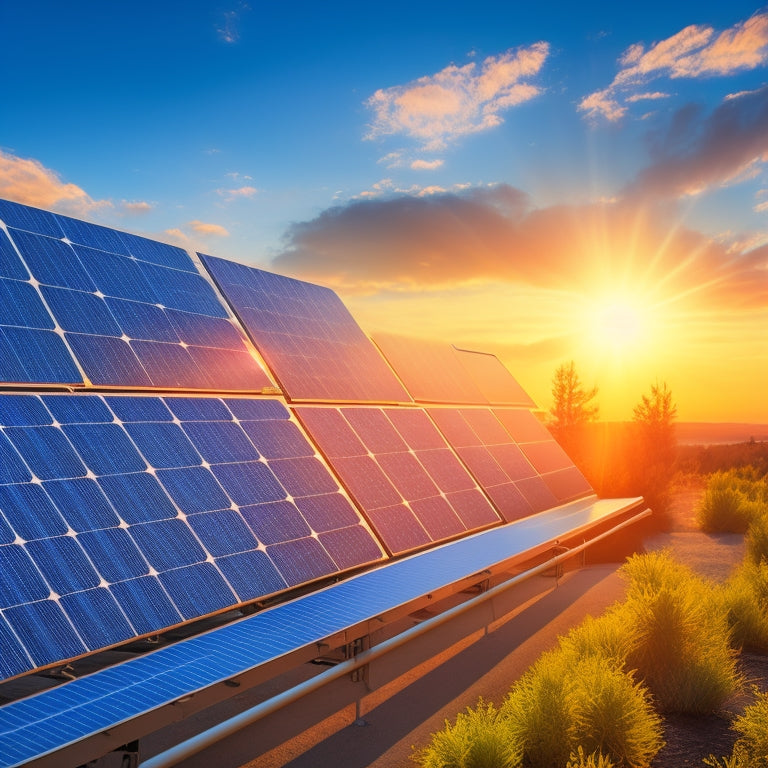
(28, 181)
(694, 51)
(647, 96)
(203, 228)
(137, 206)
(426, 165)
(228, 29)
(438, 109)
(492, 235)
(697, 153)
(238, 193)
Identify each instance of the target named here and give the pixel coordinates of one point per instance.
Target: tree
(572, 408)
(655, 448)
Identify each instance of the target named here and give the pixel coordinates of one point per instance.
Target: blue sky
(481, 175)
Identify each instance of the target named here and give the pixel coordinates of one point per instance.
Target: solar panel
(401, 472)
(95, 703)
(493, 379)
(564, 480)
(310, 341)
(431, 371)
(123, 515)
(131, 311)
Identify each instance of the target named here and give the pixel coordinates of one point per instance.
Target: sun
(619, 325)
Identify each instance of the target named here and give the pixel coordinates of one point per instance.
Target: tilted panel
(431, 371)
(498, 464)
(498, 385)
(131, 311)
(95, 703)
(310, 341)
(121, 516)
(561, 476)
(401, 472)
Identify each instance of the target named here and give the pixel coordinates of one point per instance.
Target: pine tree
(572, 408)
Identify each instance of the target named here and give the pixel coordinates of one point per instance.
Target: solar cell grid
(412, 495)
(131, 312)
(307, 336)
(144, 512)
(495, 460)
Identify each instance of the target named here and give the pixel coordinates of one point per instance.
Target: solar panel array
(176, 481)
(147, 512)
(81, 304)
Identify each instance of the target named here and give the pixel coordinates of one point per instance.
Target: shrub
(757, 534)
(564, 707)
(608, 636)
(592, 760)
(722, 510)
(753, 727)
(478, 739)
(744, 598)
(751, 748)
(682, 645)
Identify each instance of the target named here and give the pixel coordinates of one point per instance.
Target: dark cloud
(494, 235)
(697, 153)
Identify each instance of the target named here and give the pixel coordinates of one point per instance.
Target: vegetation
(573, 407)
(751, 748)
(732, 501)
(744, 600)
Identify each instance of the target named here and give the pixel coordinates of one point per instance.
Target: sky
(546, 182)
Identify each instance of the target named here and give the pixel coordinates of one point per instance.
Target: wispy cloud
(28, 181)
(228, 28)
(426, 165)
(136, 206)
(438, 109)
(237, 193)
(695, 51)
(206, 229)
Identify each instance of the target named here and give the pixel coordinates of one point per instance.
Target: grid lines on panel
(562, 477)
(310, 341)
(497, 463)
(401, 472)
(134, 312)
(147, 512)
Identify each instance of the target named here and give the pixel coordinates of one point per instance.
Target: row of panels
(85, 305)
(148, 512)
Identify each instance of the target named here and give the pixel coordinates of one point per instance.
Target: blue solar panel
(307, 336)
(142, 512)
(133, 313)
(93, 704)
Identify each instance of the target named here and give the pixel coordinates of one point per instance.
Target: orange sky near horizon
(632, 306)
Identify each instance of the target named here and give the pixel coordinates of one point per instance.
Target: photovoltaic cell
(124, 515)
(309, 339)
(130, 311)
(411, 496)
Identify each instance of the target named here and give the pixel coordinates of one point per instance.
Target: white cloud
(28, 181)
(647, 96)
(206, 229)
(437, 109)
(136, 206)
(235, 194)
(426, 165)
(695, 51)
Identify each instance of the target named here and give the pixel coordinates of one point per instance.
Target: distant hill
(716, 433)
